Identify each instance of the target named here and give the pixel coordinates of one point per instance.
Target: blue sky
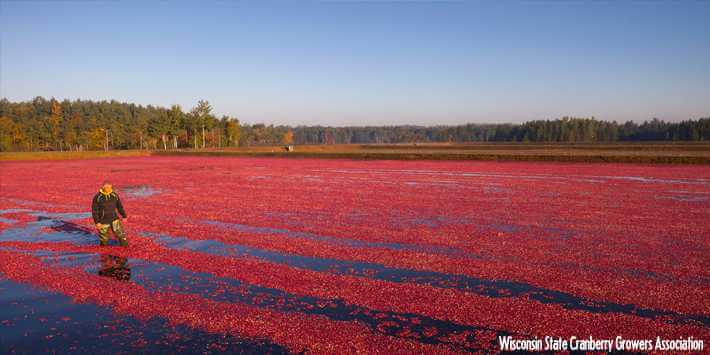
(367, 62)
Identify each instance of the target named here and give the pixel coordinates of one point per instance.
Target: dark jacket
(103, 208)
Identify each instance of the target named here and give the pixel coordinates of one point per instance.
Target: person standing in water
(103, 210)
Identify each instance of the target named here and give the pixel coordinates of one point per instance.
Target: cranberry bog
(341, 256)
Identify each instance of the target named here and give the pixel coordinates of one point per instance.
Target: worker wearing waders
(103, 210)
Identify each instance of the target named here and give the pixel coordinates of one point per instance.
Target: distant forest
(43, 124)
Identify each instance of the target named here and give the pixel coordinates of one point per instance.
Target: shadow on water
(35, 321)
(79, 232)
(484, 287)
(64, 226)
(53, 227)
(57, 227)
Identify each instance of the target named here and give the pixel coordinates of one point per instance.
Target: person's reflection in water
(115, 267)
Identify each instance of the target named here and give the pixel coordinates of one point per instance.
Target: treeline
(566, 129)
(43, 124)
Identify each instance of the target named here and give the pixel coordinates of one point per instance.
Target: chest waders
(118, 231)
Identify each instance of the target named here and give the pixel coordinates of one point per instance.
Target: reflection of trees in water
(115, 267)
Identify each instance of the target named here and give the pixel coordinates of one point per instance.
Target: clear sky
(367, 62)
